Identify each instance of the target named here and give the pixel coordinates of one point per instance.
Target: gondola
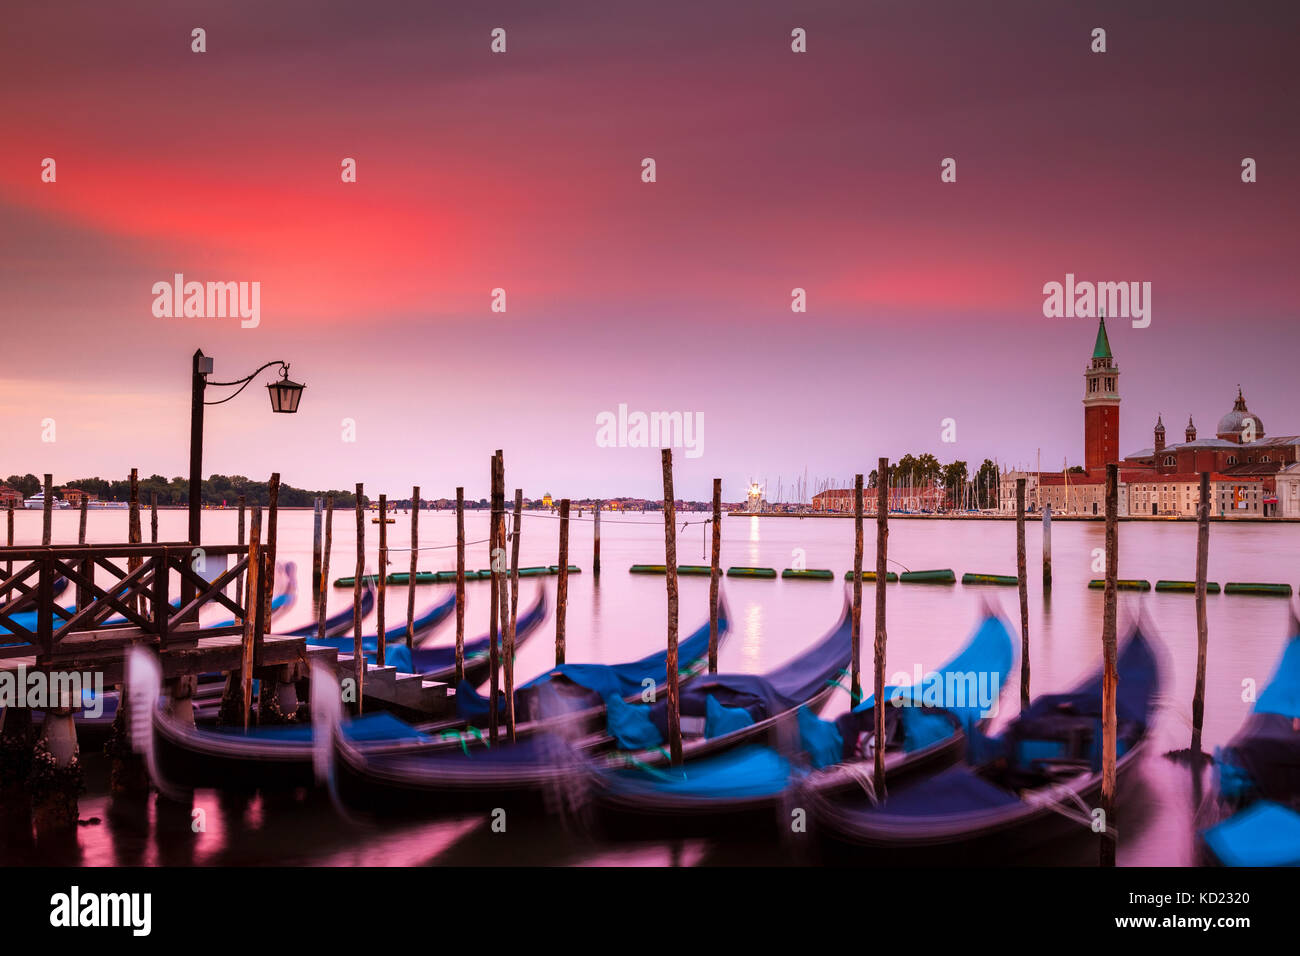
(1252, 816)
(395, 650)
(744, 781)
(455, 765)
(338, 623)
(200, 754)
(1033, 783)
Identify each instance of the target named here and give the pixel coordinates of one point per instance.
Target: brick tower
(1101, 406)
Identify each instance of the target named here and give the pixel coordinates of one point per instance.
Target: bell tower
(1101, 405)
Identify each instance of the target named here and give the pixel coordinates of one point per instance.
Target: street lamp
(285, 396)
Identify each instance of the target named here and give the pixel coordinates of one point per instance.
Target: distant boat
(37, 502)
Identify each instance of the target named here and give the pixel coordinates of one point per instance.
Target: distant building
(1288, 491)
(1164, 479)
(921, 498)
(73, 496)
(10, 496)
(546, 500)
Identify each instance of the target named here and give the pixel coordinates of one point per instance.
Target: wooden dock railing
(133, 607)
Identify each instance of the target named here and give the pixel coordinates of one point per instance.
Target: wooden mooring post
(855, 620)
(1202, 628)
(81, 523)
(316, 592)
(253, 620)
(1022, 581)
(496, 565)
(358, 652)
(153, 517)
(272, 515)
(322, 584)
(715, 575)
(239, 581)
(415, 567)
(514, 614)
(670, 572)
(882, 561)
(47, 517)
(562, 585)
(133, 534)
(382, 584)
(595, 541)
(1047, 546)
(460, 585)
(9, 565)
(1110, 676)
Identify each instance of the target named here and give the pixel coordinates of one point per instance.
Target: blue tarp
(598, 680)
(766, 695)
(983, 664)
(1264, 834)
(1282, 694)
(393, 635)
(743, 772)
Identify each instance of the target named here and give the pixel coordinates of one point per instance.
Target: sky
(522, 171)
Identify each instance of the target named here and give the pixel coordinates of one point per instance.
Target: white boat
(37, 502)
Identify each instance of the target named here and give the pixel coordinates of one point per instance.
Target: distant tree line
(176, 491)
(924, 469)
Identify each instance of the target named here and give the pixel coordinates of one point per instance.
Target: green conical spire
(1102, 348)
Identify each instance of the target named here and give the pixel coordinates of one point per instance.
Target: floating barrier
(1008, 580)
(685, 570)
(1242, 587)
(935, 576)
(1186, 587)
(555, 569)
(808, 574)
(871, 576)
(751, 572)
(1134, 584)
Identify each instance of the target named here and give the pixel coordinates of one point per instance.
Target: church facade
(1164, 480)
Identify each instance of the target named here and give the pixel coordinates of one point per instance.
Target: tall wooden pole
(9, 565)
(562, 588)
(87, 568)
(269, 550)
(358, 652)
(48, 516)
(1202, 628)
(1047, 546)
(272, 518)
(1022, 580)
(460, 585)
(382, 597)
(323, 585)
(514, 614)
(855, 624)
(595, 543)
(316, 592)
(715, 575)
(415, 566)
(133, 532)
(1110, 677)
(496, 561)
(153, 517)
(882, 561)
(251, 620)
(670, 569)
(239, 581)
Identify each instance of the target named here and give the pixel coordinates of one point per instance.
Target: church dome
(1232, 424)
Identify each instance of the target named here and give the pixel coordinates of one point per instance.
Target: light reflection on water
(624, 617)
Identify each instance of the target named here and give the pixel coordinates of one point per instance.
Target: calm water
(623, 617)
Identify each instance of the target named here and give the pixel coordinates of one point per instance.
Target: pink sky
(522, 171)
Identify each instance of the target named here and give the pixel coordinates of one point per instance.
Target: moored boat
(1030, 784)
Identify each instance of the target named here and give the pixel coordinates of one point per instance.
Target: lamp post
(285, 396)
